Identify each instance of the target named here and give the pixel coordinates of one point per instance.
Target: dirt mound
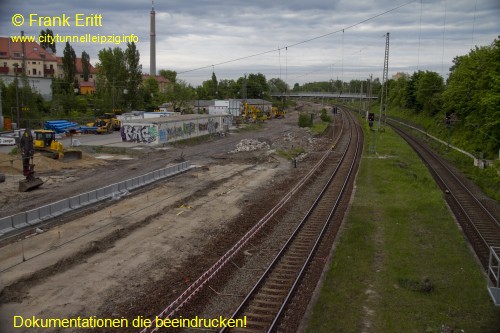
(12, 164)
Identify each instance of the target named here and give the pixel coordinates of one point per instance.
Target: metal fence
(35, 216)
(494, 275)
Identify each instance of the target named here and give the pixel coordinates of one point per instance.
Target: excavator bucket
(28, 184)
(71, 155)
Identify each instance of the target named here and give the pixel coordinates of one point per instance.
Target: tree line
(470, 95)
(469, 99)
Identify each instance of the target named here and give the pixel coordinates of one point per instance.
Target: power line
(301, 42)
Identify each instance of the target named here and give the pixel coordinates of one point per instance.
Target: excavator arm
(27, 152)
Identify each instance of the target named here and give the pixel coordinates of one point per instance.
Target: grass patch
(196, 140)
(402, 264)
(488, 179)
(319, 127)
(291, 153)
(15, 151)
(249, 127)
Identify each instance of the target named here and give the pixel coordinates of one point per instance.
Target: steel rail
(209, 274)
(480, 232)
(252, 293)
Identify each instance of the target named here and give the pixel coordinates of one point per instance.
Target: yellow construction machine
(106, 124)
(254, 113)
(278, 112)
(46, 143)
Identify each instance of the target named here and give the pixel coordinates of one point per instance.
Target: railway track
(481, 225)
(294, 256)
(266, 302)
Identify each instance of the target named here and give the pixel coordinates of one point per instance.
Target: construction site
(116, 243)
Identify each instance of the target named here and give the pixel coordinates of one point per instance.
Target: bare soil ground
(134, 255)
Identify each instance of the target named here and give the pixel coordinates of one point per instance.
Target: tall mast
(383, 98)
(152, 43)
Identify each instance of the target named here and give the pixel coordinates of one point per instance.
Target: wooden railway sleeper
(245, 330)
(279, 280)
(265, 302)
(266, 295)
(275, 285)
(252, 324)
(291, 264)
(281, 270)
(261, 308)
(258, 315)
(274, 291)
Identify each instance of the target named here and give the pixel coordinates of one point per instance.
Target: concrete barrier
(44, 212)
(33, 216)
(74, 202)
(6, 225)
(37, 215)
(19, 220)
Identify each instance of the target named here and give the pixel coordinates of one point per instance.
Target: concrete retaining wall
(40, 214)
(170, 129)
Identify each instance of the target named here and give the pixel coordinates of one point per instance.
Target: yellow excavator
(278, 112)
(254, 113)
(46, 143)
(106, 124)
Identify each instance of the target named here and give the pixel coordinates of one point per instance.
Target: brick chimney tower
(152, 43)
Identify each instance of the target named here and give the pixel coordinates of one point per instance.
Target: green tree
(181, 95)
(277, 85)
(150, 93)
(133, 75)
(256, 85)
(206, 90)
(473, 95)
(85, 66)
(69, 66)
(169, 75)
(46, 44)
(397, 91)
(430, 87)
(112, 79)
(214, 85)
(228, 89)
(411, 92)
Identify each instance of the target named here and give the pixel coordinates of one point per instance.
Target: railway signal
(371, 119)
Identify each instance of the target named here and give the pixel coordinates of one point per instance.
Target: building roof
(79, 65)
(86, 84)
(173, 118)
(34, 51)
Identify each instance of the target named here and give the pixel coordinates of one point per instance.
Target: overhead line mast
(383, 98)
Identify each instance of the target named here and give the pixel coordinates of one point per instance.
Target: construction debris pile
(250, 145)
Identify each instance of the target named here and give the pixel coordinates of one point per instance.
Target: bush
(305, 120)
(324, 116)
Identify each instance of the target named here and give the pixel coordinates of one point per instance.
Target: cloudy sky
(297, 41)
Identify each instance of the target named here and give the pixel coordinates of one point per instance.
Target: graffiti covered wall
(169, 130)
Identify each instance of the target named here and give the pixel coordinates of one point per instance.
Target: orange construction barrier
(7, 123)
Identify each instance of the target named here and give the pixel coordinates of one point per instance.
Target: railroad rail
(266, 302)
(338, 152)
(479, 224)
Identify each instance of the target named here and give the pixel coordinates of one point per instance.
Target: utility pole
(1, 113)
(383, 98)
(361, 101)
(16, 66)
(244, 89)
